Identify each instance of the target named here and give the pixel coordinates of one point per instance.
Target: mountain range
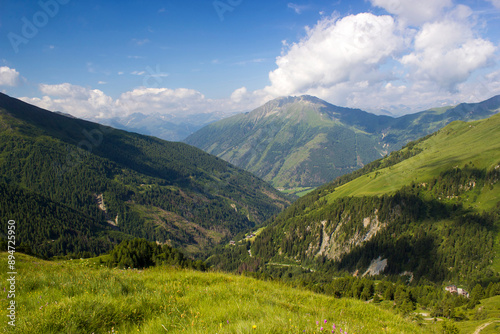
(164, 126)
(430, 209)
(303, 142)
(77, 187)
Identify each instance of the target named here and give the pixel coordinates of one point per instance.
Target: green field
(79, 296)
(474, 143)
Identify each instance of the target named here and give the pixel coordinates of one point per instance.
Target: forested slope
(106, 185)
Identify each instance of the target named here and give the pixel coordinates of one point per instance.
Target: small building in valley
(458, 291)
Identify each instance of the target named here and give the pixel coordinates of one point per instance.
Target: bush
(140, 253)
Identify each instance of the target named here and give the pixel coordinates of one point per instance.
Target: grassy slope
(456, 145)
(488, 311)
(79, 297)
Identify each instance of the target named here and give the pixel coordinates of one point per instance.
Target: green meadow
(474, 143)
(81, 296)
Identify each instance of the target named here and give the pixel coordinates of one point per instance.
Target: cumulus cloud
(65, 90)
(336, 51)
(162, 100)
(72, 99)
(447, 52)
(414, 12)
(495, 3)
(365, 60)
(94, 104)
(9, 76)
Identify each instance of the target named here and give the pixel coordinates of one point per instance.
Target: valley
(378, 243)
(237, 167)
(60, 171)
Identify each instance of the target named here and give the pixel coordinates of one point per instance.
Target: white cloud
(334, 52)
(9, 76)
(161, 100)
(375, 62)
(250, 61)
(447, 52)
(72, 99)
(297, 8)
(65, 90)
(94, 104)
(414, 12)
(239, 94)
(495, 3)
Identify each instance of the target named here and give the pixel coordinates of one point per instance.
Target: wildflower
(325, 321)
(254, 327)
(321, 329)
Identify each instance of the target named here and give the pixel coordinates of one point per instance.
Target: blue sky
(97, 59)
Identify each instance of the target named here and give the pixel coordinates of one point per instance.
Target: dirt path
(483, 326)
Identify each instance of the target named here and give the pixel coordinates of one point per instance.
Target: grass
(488, 311)
(299, 191)
(457, 144)
(79, 296)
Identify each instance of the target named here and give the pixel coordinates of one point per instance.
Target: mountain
(430, 210)
(164, 126)
(76, 187)
(295, 142)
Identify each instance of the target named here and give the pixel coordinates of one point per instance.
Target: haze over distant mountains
(303, 141)
(164, 126)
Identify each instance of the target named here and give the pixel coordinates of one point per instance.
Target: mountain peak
(286, 105)
(284, 100)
